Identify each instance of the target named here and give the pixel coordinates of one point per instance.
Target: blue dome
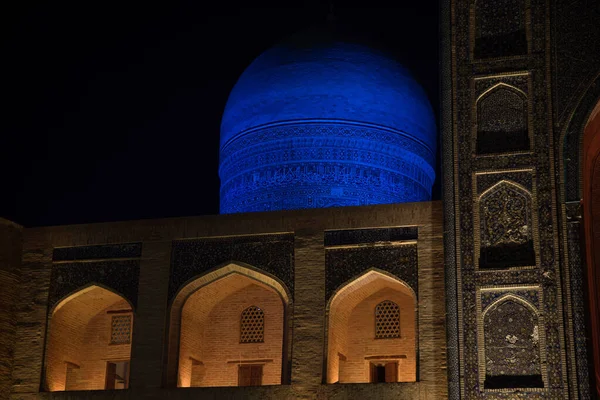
(325, 123)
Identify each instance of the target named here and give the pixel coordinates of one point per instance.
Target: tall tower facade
(520, 79)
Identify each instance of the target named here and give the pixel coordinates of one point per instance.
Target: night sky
(112, 111)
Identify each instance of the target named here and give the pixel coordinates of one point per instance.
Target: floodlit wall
(351, 332)
(176, 253)
(80, 337)
(210, 348)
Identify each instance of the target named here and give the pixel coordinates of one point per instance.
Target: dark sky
(112, 111)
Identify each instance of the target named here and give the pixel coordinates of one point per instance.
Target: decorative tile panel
(344, 264)
(272, 253)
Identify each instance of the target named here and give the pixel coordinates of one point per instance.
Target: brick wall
(149, 357)
(351, 330)
(210, 333)
(10, 257)
(79, 334)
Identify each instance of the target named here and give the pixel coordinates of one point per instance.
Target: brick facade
(352, 343)
(80, 334)
(302, 311)
(210, 333)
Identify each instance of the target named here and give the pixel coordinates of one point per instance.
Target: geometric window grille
(252, 326)
(120, 332)
(387, 320)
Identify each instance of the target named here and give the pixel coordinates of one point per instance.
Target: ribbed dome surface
(319, 121)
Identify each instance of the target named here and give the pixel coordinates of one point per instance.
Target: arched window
(252, 325)
(387, 320)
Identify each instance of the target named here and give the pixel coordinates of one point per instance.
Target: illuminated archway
(371, 331)
(229, 328)
(89, 341)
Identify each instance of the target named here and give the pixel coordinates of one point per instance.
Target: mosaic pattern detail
(120, 329)
(502, 121)
(78, 253)
(387, 320)
(500, 28)
(252, 325)
(576, 267)
(576, 47)
(273, 254)
(344, 264)
(122, 276)
(323, 165)
(357, 236)
(464, 168)
(512, 340)
(506, 226)
(531, 295)
(325, 143)
(570, 146)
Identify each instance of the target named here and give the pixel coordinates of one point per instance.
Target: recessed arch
(512, 340)
(82, 290)
(218, 297)
(505, 220)
(351, 327)
(502, 120)
(89, 337)
(511, 297)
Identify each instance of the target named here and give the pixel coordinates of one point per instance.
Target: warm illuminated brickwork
(215, 295)
(210, 347)
(79, 341)
(353, 342)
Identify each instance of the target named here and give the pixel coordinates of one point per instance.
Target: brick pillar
(10, 260)
(309, 311)
(150, 317)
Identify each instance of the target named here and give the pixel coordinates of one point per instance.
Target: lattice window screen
(252, 327)
(120, 332)
(387, 320)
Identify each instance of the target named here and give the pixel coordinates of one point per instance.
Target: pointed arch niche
(511, 341)
(591, 215)
(214, 333)
(506, 227)
(89, 341)
(502, 120)
(357, 312)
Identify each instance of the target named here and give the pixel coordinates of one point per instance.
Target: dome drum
(339, 125)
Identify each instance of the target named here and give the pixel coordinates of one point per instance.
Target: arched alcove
(591, 214)
(500, 28)
(502, 120)
(511, 335)
(371, 331)
(89, 341)
(229, 328)
(506, 225)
